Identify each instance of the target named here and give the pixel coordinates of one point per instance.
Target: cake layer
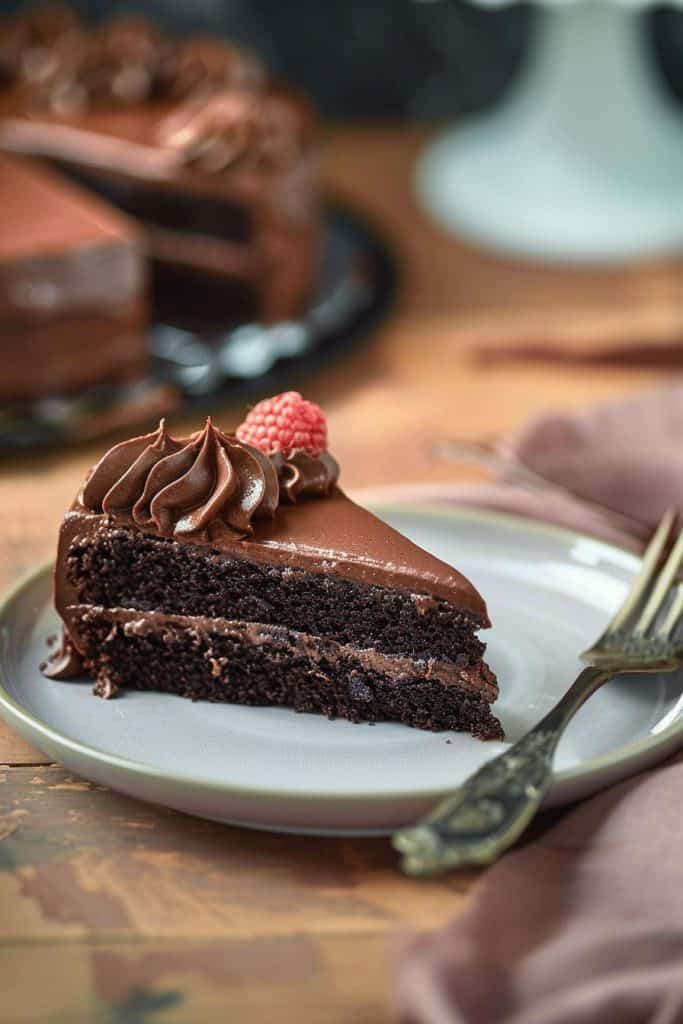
(335, 536)
(196, 299)
(174, 208)
(116, 567)
(73, 287)
(205, 271)
(66, 353)
(62, 249)
(249, 663)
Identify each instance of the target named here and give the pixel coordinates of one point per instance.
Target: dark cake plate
(272, 768)
(198, 358)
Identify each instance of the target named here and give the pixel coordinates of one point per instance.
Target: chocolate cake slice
(231, 567)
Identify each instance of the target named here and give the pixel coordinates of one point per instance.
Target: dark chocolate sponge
(183, 659)
(124, 569)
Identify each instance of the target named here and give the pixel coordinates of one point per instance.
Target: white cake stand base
(583, 161)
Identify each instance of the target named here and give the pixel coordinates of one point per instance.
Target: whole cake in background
(231, 567)
(190, 138)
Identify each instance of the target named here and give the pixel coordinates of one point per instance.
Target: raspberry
(284, 423)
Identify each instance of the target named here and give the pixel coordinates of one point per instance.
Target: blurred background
(555, 272)
(383, 58)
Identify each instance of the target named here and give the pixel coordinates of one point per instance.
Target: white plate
(549, 592)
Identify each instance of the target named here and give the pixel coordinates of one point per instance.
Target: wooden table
(111, 910)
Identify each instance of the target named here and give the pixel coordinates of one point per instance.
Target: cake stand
(582, 160)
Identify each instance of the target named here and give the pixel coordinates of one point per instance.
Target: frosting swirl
(29, 41)
(126, 61)
(204, 62)
(201, 485)
(300, 473)
(216, 131)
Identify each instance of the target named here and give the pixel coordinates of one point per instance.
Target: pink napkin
(581, 926)
(610, 471)
(626, 454)
(584, 923)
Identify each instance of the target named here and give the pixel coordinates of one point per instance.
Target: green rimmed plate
(549, 591)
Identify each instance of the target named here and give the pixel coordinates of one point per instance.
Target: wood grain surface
(113, 911)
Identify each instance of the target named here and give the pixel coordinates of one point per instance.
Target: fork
(482, 818)
(496, 457)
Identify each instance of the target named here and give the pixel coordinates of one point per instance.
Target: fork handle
(493, 807)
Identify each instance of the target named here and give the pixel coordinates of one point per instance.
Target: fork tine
(665, 581)
(673, 616)
(650, 564)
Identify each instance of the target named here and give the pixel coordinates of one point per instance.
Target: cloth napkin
(583, 923)
(609, 471)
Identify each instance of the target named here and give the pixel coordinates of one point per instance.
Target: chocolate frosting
(63, 663)
(28, 40)
(214, 132)
(205, 62)
(332, 536)
(61, 249)
(203, 486)
(128, 61)
(125, 62)
(301, 474)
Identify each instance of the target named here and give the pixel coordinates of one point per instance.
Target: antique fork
(493, 807)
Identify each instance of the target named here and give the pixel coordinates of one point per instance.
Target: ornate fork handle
(485, 816)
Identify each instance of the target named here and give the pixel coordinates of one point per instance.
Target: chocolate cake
(73, 304)
(231, 567)
(192, 138)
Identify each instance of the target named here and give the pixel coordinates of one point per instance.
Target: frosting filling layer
(317, 649)
(248, 663)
